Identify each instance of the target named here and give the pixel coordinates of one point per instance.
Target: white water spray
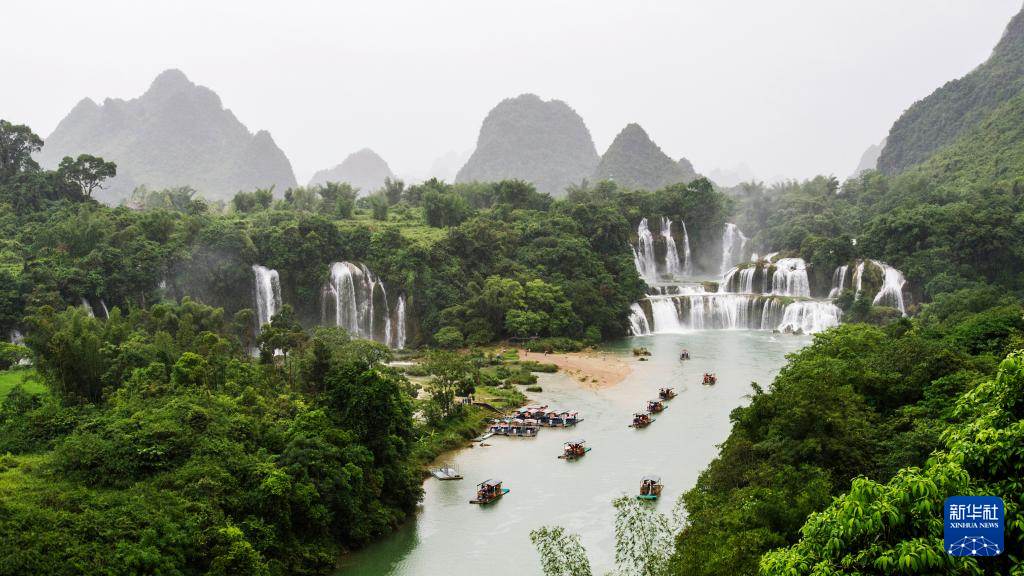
(688, 264)
(268, 294)
(838, 281)
(730, 255)
(672, 268)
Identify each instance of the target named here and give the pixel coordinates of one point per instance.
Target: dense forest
(162, 427)
(162, 431)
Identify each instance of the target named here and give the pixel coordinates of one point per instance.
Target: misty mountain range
(364, 170)
(176, 134)
(179, 134)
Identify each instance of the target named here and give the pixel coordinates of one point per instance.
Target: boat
(488, 491)
(446, 472)
(641, 420)
(667, 393)
(530, 412)
(529, 429)
(655, 406)
(500, 427)
(483, 437)
(650, 487)
(559, 418)
(710, 378)
(574, 449)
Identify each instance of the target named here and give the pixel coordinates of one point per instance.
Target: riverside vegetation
(152, 440)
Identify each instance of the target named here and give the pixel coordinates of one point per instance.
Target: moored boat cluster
(526, 422)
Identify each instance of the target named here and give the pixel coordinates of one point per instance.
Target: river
(451, 536)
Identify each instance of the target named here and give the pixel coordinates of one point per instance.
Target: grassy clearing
(11, 378)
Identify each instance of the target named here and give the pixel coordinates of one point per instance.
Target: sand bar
(594, 370)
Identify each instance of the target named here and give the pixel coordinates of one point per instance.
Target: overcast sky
(790, 88)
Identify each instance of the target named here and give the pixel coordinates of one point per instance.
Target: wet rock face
(176, 134)
(526, 138)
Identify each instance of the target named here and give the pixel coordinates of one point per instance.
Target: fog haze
(787, 88)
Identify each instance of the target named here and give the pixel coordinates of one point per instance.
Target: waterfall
(399, 332)
(18, 338)
(730, 236)
(741, 280)
(357, 301)
(671, 254)
(719, 311)
(688, 264)
(103, 305)
(268, 294)
(891, 293)
(838, 280)
(809, 317)
(88, 308)
(790, 278)
(387, 313)
(643, 255)
(638, 320)
(858, 278)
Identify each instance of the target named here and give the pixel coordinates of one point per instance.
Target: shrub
(448, 337)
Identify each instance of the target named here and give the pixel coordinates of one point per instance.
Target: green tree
(393, 189)
(561, 553)
(17, 144)
(249, 202)
(448, 337)
(87, 172)
(378, 206)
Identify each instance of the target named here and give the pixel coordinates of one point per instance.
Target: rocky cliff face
(176, 134)
(958, 106)
(634, 161)
(364, 170)
(543, 142)
(869, 159)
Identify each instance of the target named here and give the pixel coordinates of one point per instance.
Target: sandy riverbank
(595, 370)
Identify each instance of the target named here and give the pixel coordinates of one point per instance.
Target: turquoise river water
(451, 536)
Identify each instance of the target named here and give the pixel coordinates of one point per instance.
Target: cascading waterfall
(838, 281)
(809, 317)
(356, 300)
(729, 311)
(790, 278)
(688, 264)
(746, 300)
(891, 293)
(399, 337)
(671, 254)
(268, 294)
(717, 311)
(88, 308)
(730, 236)
(741, 280)
(17, 337)
(671, 267)
(638, 320)
(643, 254)
(103, 305)
(858, 278)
